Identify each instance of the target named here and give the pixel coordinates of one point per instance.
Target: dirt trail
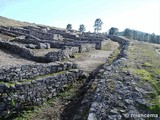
(91, 60)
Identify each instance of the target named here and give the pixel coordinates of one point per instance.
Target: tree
(69, 27)
(153, 38)
(135, 35)
(128, 33)
(158, 39)
(113, 31)
(82, 28)
(146, 37)
(97, 25)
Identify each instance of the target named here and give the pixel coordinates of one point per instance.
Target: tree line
(129, 33)
(97, 26)
(140, 36)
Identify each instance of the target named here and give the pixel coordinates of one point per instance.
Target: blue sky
(143, 15)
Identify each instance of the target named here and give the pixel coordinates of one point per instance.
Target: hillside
(9, 22)
(48, 73)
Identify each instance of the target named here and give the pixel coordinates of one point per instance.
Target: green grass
(144, 62)
(113, 56)
(77, 55)
(155, 99)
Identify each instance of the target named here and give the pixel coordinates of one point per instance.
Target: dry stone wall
(27, 94)
(62, 54)
(64, 34)
(29, 71)
(118, 39)
(99, 105)
(19, 49)
(27, 53)
(97, 101)
(17, 31)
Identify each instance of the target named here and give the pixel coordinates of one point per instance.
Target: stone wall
(17, 31)
(42, 35)
(83, 46)
(124, 42)
(22, 51)
(19, 49)
(24, 95)
(29, 71)
(87, 47)
(57, 37)
(118, 39)
(62, 54)
(53, 43)
(99, 42)
(99, 104)
(27, 53)
(63, 33)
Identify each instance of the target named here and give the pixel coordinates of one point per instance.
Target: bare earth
(42, 52)
(7, 59)
(91, 60)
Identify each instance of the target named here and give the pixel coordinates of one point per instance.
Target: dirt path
(91, 60)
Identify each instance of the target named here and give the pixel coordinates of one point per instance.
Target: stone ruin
(26, 85)
(27, 39)
(48, 72)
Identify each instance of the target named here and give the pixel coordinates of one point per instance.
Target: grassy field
(144, 62)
